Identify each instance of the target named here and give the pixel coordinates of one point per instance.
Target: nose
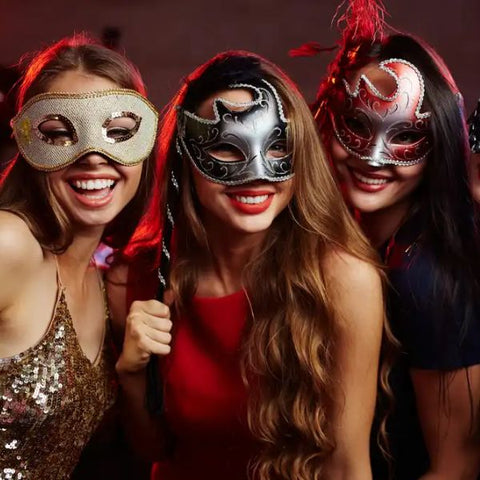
(377, 152)
(92, 159)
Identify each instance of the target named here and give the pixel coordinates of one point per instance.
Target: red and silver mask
(384, 129)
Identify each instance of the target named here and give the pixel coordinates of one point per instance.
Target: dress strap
(68, 318)
(101, 284)
(60, 284)
(106, 317)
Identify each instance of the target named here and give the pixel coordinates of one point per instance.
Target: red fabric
(205, 399)
(140, 285)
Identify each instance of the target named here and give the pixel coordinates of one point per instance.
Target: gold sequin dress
(52, 398)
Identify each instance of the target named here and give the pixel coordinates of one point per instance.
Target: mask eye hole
(226, 152)
(407, 137)
(358, 126)
(278, 149)
(120, 127)
(56, 130)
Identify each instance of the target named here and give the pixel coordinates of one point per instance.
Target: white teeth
(97, 184)
(369, 180)
(251, 200)
(96, 197)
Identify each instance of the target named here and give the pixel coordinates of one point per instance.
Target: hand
(147, 332)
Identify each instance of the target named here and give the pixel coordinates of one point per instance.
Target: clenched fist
(147, 332)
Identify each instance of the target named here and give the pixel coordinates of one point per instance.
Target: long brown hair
(289, 349)
(25, 190)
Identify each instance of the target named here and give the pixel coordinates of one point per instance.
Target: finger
(152, 307)
(160, 324)
(138, 318)
(158, 336)
(153, 347)
(137, 327)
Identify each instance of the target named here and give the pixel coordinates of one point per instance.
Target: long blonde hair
(289, 349)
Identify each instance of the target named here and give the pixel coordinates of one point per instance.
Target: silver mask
(252, 131)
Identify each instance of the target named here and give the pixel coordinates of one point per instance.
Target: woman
(392, 119)
(82, 177)
(268, 271)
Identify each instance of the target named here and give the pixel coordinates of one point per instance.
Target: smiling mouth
(250, 199)
(369, 179)
(251, 202)
(93, 188)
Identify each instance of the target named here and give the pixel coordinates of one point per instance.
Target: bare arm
(143, 330)
(21, 259)
(356, 292)
(20, 255)
(447, 404)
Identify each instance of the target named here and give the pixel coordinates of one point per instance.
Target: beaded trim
(131, 132)
(60, 118)
(384, 161)
(259, 98)
(228, 182)
(95, 94)
(383, 66)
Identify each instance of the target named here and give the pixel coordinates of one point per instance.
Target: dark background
(167, 39)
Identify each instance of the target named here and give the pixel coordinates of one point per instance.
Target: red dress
(205, 399)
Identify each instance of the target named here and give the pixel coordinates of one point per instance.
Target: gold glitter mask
(54, 130)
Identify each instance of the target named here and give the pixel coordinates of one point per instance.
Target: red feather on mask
(310, 49)
(361, 25)
(362, 20)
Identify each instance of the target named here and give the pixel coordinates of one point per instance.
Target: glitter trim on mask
(384, 117)
(251, 131)
(86, 114)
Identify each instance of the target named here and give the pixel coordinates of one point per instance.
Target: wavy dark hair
(25, 190)
(444, 195)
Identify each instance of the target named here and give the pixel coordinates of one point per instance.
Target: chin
(364, 204)
(93, 219)
(254, 224)
(253, 227)
(366, 209)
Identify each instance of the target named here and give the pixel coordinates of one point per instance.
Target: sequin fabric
(52, 398)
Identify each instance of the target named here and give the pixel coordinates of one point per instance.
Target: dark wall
(167, 39)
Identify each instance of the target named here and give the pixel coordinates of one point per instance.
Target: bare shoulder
(20, 257)
(343, 269)
(355, 287)
(19, 249)
(355, 292)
